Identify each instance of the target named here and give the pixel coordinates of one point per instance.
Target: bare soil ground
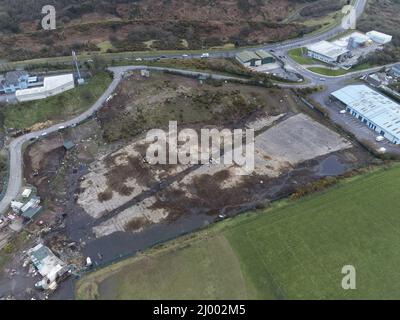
(217, 188)
(103, 187)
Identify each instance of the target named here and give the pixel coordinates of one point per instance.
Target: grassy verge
(295, 250)
(3, 170)
(59, 107)
(297, 55)
(339, 72)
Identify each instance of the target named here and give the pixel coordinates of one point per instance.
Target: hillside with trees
(121, 25)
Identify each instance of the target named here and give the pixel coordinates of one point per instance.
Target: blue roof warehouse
(374, 109)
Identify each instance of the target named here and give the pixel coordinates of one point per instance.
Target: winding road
(15, 146)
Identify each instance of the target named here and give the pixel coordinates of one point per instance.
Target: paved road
(15, 147)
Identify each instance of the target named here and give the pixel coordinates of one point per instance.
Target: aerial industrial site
(199, 150)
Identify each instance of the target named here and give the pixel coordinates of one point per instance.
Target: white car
(322, 79)
(138, 59)
(61, 127)
(185, 55)
(382, 150)
(205, 55)
(44, 134)
(342, 111)
(379, 138)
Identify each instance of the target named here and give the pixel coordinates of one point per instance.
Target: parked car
(205, 55)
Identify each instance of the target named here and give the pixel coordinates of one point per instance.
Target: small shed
(31, 213)
(16, 206)
(32, 203)
(145, 73)
(68, 145)
(26, 193)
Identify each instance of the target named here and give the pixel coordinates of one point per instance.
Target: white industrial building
(375, 110)
(354, 40)
(51, 86)
(379, 37)
(344, 48)
(327, 52)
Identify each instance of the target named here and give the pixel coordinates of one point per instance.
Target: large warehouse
(378, 112)
(51, 86)
(327, 52)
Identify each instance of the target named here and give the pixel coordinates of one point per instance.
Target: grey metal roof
(264, 54)
(68, 144)
(13, 77)
(40, 254)
(32, 212)
(372, 105)
(246, 56)
(396, 67)
(327, 49)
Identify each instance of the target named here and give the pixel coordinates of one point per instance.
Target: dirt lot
(218, 189)
(102, 189)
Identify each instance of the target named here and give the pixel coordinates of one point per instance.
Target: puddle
(331, 166)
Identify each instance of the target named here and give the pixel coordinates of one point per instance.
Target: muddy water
(331, 166)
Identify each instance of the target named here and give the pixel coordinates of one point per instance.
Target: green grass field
(294, 251)
(297, 55)
(59, 107)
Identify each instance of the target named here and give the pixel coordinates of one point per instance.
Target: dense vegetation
(383, 15)
(124, 25)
